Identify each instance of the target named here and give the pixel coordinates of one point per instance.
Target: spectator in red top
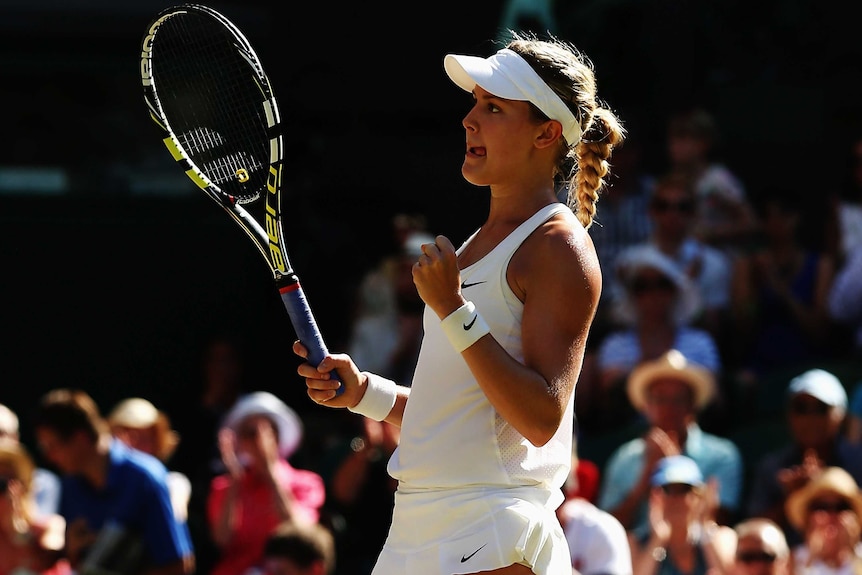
(260, 490)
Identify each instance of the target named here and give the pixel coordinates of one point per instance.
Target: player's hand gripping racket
(206, 90)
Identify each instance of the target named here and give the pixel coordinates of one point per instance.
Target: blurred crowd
(719, 411)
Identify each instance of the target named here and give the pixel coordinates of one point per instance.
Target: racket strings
(213, 94)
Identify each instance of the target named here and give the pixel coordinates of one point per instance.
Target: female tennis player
(486, 426)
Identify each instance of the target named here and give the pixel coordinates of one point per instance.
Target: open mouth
(476, 151)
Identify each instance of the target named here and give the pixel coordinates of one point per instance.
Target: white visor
(507, 75)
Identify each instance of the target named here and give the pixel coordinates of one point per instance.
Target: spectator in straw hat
(816, 406)
(261, 489)
(137, 423)
(670, 392)
(827, 512)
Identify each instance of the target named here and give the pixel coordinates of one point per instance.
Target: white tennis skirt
(467, 531)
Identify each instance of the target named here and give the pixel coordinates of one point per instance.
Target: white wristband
(379, 398)
(464, 327)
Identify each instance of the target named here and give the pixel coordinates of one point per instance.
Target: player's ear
(551, 132)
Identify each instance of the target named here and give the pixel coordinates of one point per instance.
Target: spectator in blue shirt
(670, 392)
(115, 499)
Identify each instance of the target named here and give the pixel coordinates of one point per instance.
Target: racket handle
(304, 323)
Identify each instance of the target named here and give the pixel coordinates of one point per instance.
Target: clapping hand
(658, 445)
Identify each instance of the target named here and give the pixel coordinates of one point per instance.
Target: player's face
(500, 140)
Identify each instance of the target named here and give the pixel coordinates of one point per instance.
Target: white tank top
(451, 436)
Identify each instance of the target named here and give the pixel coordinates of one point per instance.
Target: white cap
(264, 403)
(821, 385)
(507, 75)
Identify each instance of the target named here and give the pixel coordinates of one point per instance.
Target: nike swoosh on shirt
(465, 558)
(465, 285)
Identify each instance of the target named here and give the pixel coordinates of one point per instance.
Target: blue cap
(677, 469)
(821, 385)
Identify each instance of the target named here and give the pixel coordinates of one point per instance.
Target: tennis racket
(213, 103)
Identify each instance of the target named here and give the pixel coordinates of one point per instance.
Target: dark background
(113, 281)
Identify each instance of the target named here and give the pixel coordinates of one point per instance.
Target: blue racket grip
(303, 323)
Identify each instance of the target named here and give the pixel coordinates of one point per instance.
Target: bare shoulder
(558, 255)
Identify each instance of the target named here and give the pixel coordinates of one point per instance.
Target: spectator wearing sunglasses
(816, 407)
(657, 306)
(683, 535)
(826, 512)
(761, 548)
(672, 210)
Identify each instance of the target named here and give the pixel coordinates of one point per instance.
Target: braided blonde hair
(584, 166)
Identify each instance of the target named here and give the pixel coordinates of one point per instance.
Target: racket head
(207, 91)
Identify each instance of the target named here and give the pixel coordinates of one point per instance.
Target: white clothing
(180, 489)
(460, 466)
(472, 530)
(598, 542)
(451, 436)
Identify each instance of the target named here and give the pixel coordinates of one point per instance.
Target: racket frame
(268, 236)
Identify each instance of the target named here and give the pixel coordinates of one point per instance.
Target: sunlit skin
(515, 153)
(496, 129)
(508, 149)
